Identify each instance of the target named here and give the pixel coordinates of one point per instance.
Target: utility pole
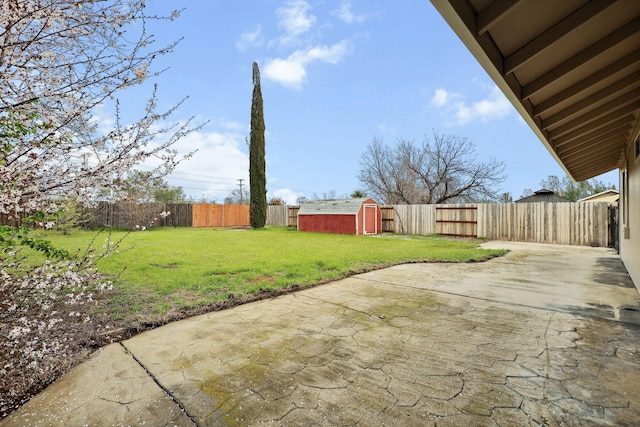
(241, 196)
(85, 165)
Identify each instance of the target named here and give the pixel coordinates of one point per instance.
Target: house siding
(630, 239)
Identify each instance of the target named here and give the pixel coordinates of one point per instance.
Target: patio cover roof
(571, 68)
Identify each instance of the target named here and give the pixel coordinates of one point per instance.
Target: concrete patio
(546, 335)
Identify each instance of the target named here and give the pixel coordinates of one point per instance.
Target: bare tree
(238, 197)
(330, 195)
(441, 170)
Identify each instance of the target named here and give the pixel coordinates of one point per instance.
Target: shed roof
(543, 195)
(332, 207)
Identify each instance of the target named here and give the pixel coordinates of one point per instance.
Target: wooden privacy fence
(206, 215)
(282, 215)
(585, 224)
(128, 215)
(457, 221)
(387, 213)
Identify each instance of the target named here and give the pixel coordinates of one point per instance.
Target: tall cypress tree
(257, 169)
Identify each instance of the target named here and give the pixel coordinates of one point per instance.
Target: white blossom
(59, 61)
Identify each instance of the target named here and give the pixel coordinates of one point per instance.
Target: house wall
(611, 198)
(337, 224)
(629, 216)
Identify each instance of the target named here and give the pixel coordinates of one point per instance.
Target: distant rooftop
(543, 195)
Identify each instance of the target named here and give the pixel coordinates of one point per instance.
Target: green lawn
(172, 268)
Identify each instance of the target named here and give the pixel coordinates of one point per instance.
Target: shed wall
(338, 224)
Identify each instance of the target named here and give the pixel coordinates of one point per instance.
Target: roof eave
(453, 18)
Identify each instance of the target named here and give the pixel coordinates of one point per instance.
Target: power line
(195, 180)
(176, 175)
(220, 178)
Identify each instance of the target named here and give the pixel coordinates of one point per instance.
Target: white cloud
(440, 98)
(291, 72)
(459, 112)
(250, 39)
(215, 168)
(295, 20)
(102, 118)
(345, 13)
(231, 125)
(288, 72)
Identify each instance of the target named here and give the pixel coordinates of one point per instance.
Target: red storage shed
(343, 216)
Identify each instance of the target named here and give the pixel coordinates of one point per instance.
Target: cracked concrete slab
(531, 338)
(109, 389)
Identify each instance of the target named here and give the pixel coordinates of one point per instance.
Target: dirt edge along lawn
(175, 273)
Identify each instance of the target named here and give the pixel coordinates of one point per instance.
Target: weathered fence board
(14, 220)
(458, 220)
(585, 224)
(180, 215)
(277, 215)
(387, 213)
(292, 219)
(282, 215)
(414, 219)
(127, 214)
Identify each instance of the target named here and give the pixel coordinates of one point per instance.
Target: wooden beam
(587, 102)
(596, 147)
(585, 84)
(529, 51)
(607, 137)
(590, 134)
(613, 154)
(590, 127)
(610, 159)
(595, 118)
(493, 14)
(615, 139)
(623, 123)
(594, 169)
(580, 58)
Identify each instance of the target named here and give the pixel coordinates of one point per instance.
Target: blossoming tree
(59, 61)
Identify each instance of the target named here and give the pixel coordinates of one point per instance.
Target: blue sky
(335, 74)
